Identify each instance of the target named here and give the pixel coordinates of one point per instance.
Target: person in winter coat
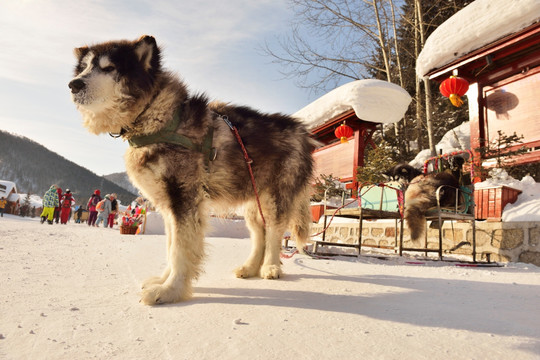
(78, 214)
(3, 203)
(67, 202)
(114, 211)
(58, 208)
(104, 211)
(50, 201)
(92, 202)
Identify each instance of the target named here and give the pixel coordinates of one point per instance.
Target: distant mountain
(34, 168)
(122, 179)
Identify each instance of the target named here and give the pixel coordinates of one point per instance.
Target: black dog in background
(403, 173)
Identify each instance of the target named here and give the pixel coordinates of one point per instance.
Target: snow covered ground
(71, 292)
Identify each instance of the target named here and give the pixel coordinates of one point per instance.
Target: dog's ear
(80, 52)
(147, 52)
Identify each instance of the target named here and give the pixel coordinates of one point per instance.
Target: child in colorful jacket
(3, 203)
(50, 201)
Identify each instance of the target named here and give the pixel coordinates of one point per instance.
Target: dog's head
(113, 80)
(403, 172)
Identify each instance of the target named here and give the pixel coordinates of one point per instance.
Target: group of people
(102, 209)
(57, 205)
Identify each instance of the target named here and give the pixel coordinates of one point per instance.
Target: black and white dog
(184, 156)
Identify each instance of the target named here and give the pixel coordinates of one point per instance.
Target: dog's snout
(76, 85)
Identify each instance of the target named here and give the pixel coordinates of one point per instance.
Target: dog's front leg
(185, 254)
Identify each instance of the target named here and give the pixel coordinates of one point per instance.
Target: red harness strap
(248, 163)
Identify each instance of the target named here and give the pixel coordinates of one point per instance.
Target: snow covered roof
(476, 25)
(372, 100)
(6, 187)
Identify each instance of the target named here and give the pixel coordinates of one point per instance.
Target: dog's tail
(419, 197)
(416, 220)
(301, 223)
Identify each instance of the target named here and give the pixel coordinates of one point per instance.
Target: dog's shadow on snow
(433, 302)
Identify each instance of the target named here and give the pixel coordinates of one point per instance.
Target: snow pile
(35, 200)
(478, 24)
(372, 100)
(219, 227)
(154, 224)
(527, 206)
(454, 140)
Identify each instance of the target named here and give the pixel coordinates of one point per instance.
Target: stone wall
(498, 241)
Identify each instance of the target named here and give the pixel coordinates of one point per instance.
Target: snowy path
(71, 292)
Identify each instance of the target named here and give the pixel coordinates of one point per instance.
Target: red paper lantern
(453, 88)
(343, 132)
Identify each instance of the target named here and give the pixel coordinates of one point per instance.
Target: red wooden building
(363, 105)
(504, 74)
(495, 46)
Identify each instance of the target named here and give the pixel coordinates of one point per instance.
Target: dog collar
(168, 135)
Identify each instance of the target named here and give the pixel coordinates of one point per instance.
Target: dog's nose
(76, 85)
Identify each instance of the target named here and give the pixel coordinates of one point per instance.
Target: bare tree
(396, 47)
(332, 41)
(336, 39)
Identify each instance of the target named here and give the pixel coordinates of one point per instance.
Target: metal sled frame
(376, 208)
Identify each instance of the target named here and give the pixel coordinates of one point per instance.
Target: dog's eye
(108, 68)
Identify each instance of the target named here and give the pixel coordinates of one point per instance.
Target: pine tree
(444, 115)
(328, 184)
(502, 149)
(376, 161)
(25, 208)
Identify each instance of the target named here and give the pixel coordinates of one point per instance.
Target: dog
(404, 173)
(421, 195)
(120, 88)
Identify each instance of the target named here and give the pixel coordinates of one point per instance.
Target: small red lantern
(343, 132)
(453, 88)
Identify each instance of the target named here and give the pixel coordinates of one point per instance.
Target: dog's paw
(160, 294)
(245, 272)
(154, 280)
(271, 272)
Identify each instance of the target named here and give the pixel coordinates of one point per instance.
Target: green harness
(168, 135)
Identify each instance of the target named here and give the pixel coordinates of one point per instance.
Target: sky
(213, 45)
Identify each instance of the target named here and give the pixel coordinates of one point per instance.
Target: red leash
(248, 163)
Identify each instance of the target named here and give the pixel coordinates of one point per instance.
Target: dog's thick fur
(421, 195)
(120, 87)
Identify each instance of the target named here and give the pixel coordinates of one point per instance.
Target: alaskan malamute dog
(183, 156)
